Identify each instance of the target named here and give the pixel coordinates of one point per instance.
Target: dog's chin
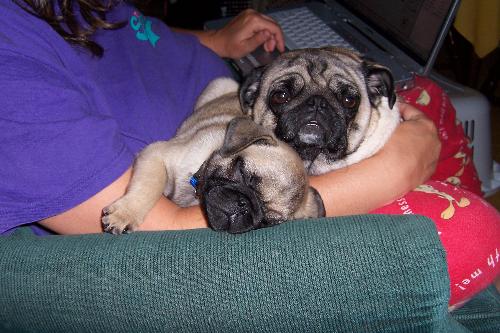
(312, 134)
(311, 153)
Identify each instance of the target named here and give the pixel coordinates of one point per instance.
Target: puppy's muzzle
(233, 208)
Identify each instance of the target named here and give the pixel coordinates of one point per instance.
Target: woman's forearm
(86, 217)
(407, 160)
(362, 187)
(166, 215)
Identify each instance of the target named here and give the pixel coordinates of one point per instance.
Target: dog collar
(193, 181)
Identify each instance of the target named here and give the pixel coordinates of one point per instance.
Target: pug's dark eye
(279, 97)
(349, 102)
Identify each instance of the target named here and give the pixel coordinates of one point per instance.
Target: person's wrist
(212, 40)
(189, 218)
(402, 166)
(399, 176)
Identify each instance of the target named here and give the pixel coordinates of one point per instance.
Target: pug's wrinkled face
(319, 101)
(254, 181)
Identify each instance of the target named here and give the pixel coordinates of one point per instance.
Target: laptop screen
(414, 25)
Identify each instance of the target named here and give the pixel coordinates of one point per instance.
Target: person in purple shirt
(85, 86)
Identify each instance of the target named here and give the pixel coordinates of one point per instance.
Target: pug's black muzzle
(312, 128)
(232, 207)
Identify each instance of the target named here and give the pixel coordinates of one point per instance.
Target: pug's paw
(119, 218)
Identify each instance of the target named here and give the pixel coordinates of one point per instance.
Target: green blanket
(368, 273)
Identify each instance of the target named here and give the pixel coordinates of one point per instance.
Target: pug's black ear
(242, 132)
(379, 82)
(249, 89)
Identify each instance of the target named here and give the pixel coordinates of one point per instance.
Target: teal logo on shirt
(142, 26)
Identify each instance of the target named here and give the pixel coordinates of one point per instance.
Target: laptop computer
(405, 36)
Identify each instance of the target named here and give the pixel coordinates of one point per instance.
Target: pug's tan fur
(326, 73)
(165, 167)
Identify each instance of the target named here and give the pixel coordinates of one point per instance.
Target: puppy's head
(320, 101)
(254, 181)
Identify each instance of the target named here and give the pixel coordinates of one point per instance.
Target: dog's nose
(316, 103)
(232, 210)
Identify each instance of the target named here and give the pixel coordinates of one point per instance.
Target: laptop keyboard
(303, 29)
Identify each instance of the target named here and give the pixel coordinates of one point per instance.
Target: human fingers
(245, 33)
(257, 22)
(257, 39)
(270, 44)
(418, 140)
(418, 121)
(278, 36)
(409, 112)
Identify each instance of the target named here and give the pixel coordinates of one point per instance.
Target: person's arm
(407, 160)
(242, 35)
(86, 217)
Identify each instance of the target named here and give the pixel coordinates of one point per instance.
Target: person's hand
(243, 34)
(407, 160)
(417, 144)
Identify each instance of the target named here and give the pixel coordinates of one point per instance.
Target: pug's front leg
(149, 177)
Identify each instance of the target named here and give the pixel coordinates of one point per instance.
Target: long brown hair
(75, 28)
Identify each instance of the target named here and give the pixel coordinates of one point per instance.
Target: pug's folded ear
(249, 89)
(379, 82)
(242, 132)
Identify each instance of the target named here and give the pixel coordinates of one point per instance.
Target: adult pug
(246, 178)
(331, 105)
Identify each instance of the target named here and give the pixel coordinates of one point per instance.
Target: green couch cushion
(368, 273)
(481, 313)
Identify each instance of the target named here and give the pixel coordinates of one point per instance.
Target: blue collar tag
(193, 181)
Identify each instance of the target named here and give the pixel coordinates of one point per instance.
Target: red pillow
(455, 161)
(468, 226)
(469, 229)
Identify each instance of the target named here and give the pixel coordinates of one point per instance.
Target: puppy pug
(244, 177)
(331, 105)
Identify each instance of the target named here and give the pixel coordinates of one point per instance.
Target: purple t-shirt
(71, 123)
